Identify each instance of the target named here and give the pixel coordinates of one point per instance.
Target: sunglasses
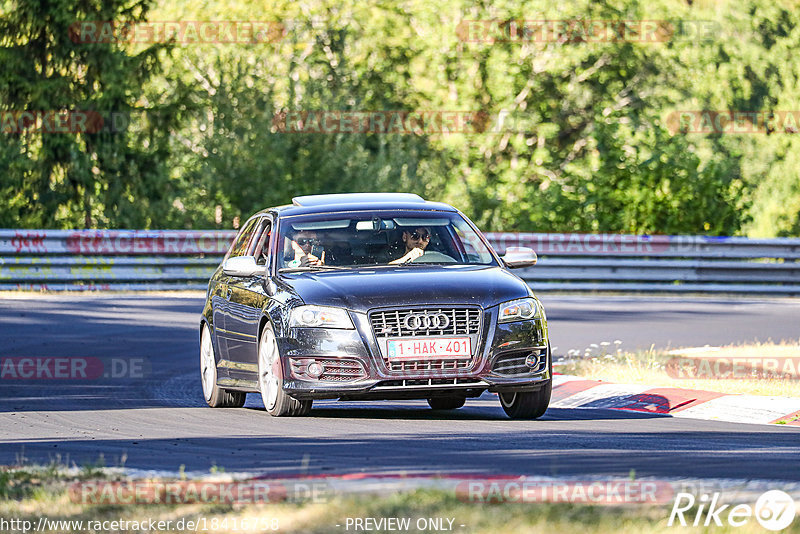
(303, 241)
(416, 236)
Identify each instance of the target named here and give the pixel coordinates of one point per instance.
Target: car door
(219, 307)
(245, 304)
(221, 299)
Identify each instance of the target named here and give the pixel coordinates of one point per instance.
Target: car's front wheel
(447, 403)
(526, 404)
(529, 404)
(215, 396)
(270, 379)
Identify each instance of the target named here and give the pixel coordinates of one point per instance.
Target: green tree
(235, 153)
(592, 150)
(95, 177)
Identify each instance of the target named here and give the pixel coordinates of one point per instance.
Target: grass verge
(770, 369)
(29, 495)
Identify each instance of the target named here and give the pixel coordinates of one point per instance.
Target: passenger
(415, 243)
(303, 244)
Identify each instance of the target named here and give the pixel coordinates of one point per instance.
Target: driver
(303, 243)
(416, 242)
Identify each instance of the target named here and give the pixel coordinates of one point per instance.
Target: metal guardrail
(176, 259)
(80, 260)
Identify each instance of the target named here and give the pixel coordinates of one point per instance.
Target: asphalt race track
(145, 410)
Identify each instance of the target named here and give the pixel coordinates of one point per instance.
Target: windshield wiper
(424, 263)
(312, 268)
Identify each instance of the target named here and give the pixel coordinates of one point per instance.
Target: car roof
(310, 204)
(355, 198)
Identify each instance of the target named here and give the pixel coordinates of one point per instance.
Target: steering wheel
(434, 257)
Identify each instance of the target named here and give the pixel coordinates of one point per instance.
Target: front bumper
(363, 372)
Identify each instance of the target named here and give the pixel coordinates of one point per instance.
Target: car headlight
(320, 316)
(518, 310)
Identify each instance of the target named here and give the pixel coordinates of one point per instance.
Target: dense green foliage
(94, 178)
(592, 148)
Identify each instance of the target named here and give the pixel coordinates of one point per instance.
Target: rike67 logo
(774, 510)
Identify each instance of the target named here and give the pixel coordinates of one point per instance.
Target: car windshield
(374, 238)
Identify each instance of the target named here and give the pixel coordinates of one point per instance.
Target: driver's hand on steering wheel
(413, 254)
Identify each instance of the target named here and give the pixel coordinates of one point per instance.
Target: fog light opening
(532, 360)
(315, 369)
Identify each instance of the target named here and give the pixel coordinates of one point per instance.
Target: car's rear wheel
(270, 380)
(447, 403)
(215, 396)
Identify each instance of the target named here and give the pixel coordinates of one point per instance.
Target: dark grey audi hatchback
(372, 296)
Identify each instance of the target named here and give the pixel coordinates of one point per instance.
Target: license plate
(442, 347)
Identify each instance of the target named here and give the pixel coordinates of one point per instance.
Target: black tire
(447, 403)
(526, 404)
(215, 396)
(529, 404)
(270, 380)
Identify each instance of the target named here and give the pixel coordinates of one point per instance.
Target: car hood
(366, 288)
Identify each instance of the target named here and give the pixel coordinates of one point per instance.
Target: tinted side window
(261, 245)
(239, 246)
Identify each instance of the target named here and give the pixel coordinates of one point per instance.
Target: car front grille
(415, 366)
(513, 363)
(395, 324)
(335, 369)
(392, 323)
(427, 383)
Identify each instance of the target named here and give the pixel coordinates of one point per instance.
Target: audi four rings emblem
(426, 321)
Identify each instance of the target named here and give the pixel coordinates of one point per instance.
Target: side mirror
(517, 257)
(271, 288)
(243, 266)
